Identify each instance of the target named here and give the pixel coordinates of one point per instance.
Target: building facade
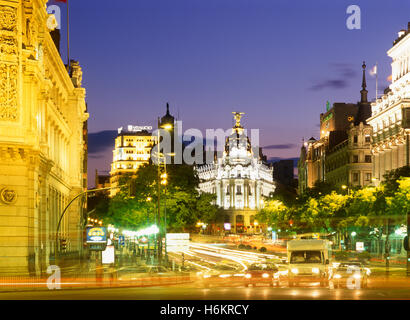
(342, 155)
(42, 145)
(390, 118)
(132, 149)
(240, 180)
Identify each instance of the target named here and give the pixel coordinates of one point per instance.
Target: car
(347, 274)
(220, 274)
(262, 273)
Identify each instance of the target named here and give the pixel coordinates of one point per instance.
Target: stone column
(394, 155)
(218, 193)
(401, 155)
(382, 163)
(388, 161)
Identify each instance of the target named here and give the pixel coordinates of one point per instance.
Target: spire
(364, 91)
(168, 109)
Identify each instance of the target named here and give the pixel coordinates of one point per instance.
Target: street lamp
(344, 187)
(353, 234)
(164, 182)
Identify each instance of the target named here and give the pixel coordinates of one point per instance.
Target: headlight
(224, 275)
(247, 276)
(295, 270)
(337, 276)
(206, 276)
(357, 276)
(315, 270)
(265, 275)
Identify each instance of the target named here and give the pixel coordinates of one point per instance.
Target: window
(367, 139)
(355, 177)
(238, 190)
(354, 139)
(368, 158)
(368, 176)
(355, 159)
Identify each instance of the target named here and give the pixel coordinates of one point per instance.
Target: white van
(308, 261)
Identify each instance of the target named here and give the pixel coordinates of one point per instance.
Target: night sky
(278, 61)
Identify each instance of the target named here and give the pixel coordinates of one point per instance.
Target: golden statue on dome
(238, 117)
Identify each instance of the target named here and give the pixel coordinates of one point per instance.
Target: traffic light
(63, 244)
(164, 180)
(406, 243)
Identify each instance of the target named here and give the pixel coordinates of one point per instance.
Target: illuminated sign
(138, 128)
(359, 246)
(96, 235)
(227, 226)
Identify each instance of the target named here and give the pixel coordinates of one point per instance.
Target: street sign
(96, 238)
(121, 240)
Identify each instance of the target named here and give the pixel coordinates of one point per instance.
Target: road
(230, 293)
(205, 256)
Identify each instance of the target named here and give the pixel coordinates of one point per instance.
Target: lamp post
(344, 187)
(149, 199)
(159, 156)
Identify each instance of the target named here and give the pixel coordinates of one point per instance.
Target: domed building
(240, 179)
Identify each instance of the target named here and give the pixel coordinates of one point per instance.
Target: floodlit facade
(239, 179)
(42, 141)
(132, 150)
(390, 118)
(342, 154)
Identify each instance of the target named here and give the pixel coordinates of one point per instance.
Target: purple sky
(278, 61)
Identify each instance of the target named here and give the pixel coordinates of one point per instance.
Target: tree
(181, 201)
(275, 213)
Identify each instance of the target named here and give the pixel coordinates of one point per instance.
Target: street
(226, 293)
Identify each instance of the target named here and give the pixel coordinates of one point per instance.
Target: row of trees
(370, 210)
(136, 205)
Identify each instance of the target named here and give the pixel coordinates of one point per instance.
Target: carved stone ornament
(8, 30)
(8, 92)
(8, 18)
(8, 196)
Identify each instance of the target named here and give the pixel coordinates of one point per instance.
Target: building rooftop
(402, 34)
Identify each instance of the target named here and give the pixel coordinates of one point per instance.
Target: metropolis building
(390, 117)
(43, 132)
(240, 180)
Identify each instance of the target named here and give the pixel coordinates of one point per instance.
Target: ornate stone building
(42, 145)
(132, 150)
(239, 179)
(390, 116)
(342, 155)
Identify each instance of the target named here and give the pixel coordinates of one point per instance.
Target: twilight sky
(278, 61)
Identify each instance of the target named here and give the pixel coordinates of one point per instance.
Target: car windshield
(263, 267)
(306, 257)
